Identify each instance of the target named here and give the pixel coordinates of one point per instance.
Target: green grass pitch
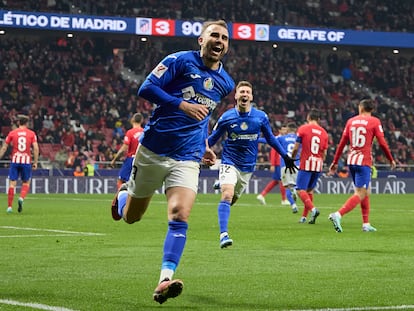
(65, 251)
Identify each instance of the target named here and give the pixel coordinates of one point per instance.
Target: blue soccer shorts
(22, 170)
(361, 175)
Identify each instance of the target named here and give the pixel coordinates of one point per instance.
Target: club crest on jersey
(244, 126)
(208, 84)
(159, 70)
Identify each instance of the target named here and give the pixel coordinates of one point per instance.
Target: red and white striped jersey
(131, 139)
(314, 140)
(22, 140)
(360, 132)
(274, 157)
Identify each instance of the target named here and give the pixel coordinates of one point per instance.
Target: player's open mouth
(217, 49)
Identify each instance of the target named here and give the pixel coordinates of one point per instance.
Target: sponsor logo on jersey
(201, 99)
(233, 136)
(190, 95)
(252, 137)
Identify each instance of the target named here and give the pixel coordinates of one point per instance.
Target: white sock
(122, 193)
(223, 234)
(166, 274)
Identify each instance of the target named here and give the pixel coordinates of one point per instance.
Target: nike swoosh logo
(179, 235)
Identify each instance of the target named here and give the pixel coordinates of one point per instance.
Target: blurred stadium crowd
(379, 15)
(79, 98)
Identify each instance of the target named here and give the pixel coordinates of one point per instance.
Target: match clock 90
(188, 28)
(165, 27)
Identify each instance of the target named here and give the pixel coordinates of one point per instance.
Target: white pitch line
(38, 235)
(403, 307)
(33, 305)
(51, 230)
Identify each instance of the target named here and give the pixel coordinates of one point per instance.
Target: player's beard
(211, 55)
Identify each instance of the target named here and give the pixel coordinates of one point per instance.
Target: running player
(243, 125)
(186, 87)
(130, 146)
(23, 141)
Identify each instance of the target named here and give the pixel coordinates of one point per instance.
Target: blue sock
(168, 265)
(174, 244)
(122, 198)
(289, 196)
(223, 215)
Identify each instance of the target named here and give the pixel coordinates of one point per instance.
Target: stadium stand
(379, 15)
(80, 78)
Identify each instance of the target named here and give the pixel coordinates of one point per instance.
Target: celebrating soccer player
(243, 125)
(288, 178)
(186, 87)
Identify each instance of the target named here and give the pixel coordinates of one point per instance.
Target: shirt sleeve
(379, 134)
(217, 132)
(152, 89)
(270, 138)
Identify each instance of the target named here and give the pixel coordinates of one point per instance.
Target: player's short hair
(314, 114)
(22, 119)
(291, 126)
(367, 104)
(244, 83)
(137, 118)
(219, 22)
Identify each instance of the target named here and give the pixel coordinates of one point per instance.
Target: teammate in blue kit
(243, 125)
(288, 141)
(186, 87)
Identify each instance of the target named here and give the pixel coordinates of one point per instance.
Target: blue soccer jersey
(181, 76)
(288, 142)
(240, 148)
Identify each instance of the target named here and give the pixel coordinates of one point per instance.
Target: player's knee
(179, 214)
(227, 197)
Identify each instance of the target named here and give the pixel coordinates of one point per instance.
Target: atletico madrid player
(22, 140)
